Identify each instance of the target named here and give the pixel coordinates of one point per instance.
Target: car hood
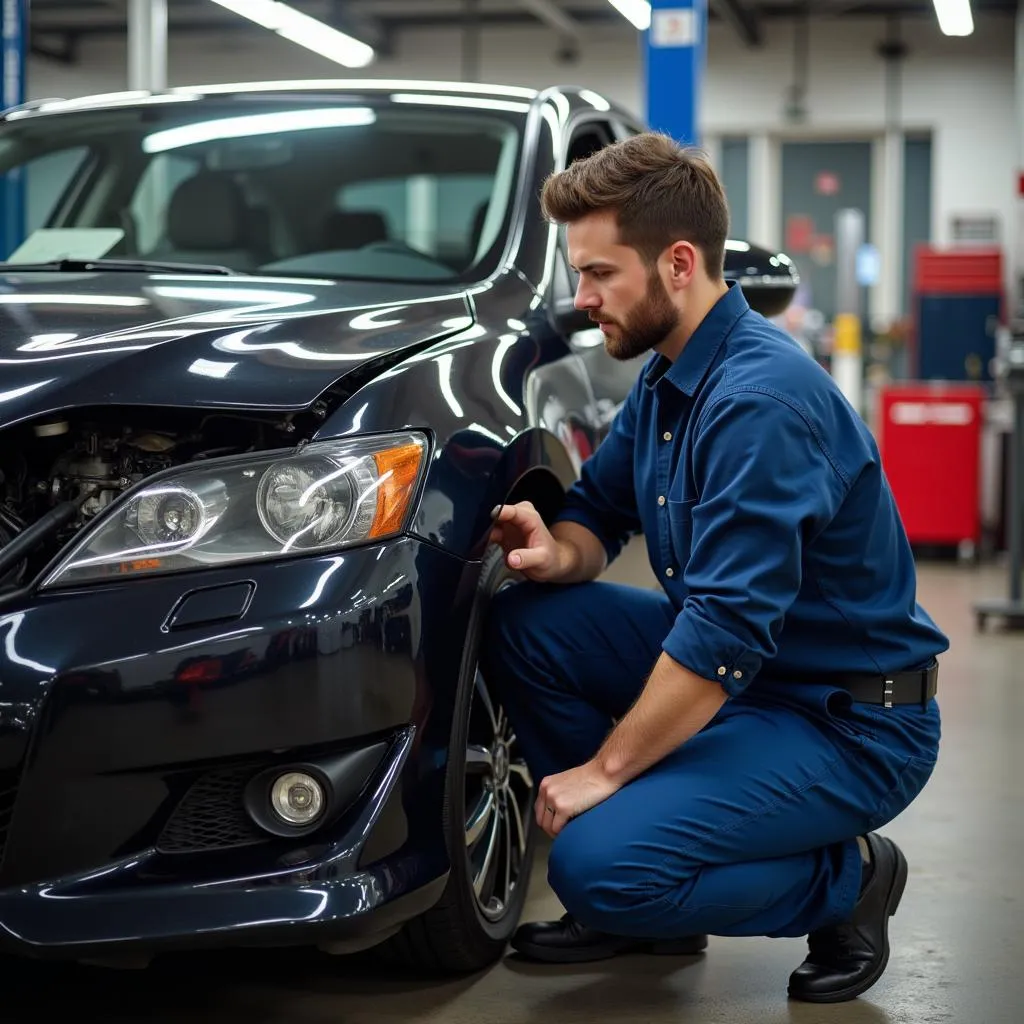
(184, 340)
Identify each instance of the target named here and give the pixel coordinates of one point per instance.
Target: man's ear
(685, 260)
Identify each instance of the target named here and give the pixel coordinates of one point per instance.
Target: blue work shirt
(767, 516)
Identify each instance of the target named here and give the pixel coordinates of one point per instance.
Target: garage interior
(883, 152)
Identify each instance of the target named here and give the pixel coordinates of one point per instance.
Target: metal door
(818, 180)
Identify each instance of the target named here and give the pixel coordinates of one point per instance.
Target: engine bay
(91, 458)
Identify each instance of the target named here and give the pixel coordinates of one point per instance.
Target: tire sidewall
(494, 573)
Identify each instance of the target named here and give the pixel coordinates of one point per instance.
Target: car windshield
(400, 188)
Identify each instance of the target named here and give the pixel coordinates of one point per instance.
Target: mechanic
(714, 757)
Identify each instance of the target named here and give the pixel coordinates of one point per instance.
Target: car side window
(587, 139)
(47, 178)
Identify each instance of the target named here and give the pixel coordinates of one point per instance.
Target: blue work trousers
(748, 828)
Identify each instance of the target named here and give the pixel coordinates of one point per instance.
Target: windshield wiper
(136, 266)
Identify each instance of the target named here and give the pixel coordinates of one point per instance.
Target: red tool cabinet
(930, 439)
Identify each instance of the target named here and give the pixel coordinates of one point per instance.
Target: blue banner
(676, 49)
(13, 34)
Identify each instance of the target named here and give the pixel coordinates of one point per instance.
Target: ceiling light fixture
(637, 12)
(955, 18)
(300, 28)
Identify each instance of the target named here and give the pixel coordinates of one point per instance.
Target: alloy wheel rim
(498, 806)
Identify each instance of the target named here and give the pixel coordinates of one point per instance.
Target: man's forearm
(674, 705)
(581, 554)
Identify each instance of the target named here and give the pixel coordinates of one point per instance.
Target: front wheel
(489, 822)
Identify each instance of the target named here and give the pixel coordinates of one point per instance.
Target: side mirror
(769, 279)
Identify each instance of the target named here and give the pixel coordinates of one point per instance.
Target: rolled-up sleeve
(766, 486)
(604, 498)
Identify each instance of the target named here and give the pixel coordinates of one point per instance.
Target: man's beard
(647, 324)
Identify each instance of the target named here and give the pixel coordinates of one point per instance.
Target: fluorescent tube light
(637, 12)
(256, 124)
(955, 17)
(300, 28)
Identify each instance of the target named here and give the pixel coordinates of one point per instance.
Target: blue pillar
(13, 34)
(676, 47)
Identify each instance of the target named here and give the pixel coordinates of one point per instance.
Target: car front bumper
(135, 715)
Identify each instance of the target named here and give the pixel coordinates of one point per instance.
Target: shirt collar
(689, 369)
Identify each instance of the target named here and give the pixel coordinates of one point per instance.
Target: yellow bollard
(848, 358)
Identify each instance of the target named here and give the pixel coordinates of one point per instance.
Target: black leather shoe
(569, 942)
(845, 960)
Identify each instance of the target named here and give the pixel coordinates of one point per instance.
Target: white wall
(960, 89)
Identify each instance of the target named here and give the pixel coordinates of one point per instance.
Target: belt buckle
(887, 693)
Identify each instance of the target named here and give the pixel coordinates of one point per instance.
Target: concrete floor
(958, 940)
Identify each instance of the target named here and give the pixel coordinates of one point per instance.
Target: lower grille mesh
(212, 816)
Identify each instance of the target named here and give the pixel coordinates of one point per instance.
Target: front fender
(498, 403)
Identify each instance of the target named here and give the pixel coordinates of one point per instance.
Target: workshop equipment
(958, 302)
(1010, 371)
(929, 436)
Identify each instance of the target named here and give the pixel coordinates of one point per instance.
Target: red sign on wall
(799, 233)
(826, 183)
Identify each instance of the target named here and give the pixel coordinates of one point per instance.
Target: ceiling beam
(377, 21)
(108, 13)
(359, 24)
(60, 49)
(554, 17)
(742, 18)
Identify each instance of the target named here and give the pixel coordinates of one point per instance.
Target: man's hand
(570, 554)
(565, 796)
(527, 542)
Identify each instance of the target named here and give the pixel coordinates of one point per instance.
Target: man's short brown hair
(662, 193)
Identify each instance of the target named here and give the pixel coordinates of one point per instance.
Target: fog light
(297, 798)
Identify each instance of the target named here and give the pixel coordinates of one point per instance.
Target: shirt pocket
(680, 528)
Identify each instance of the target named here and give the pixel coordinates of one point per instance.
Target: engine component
(14, 552)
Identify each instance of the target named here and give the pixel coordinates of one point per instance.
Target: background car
(270, 355)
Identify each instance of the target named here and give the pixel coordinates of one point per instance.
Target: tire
(466, 932)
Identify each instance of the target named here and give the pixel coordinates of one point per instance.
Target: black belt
(916, 687)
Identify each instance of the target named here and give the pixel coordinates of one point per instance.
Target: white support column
(147, 44)
(764, 192)
(712, 145)
(887, 203)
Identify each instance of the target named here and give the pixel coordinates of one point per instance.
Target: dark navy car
(269, 355)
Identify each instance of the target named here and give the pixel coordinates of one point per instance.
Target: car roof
(577, 97)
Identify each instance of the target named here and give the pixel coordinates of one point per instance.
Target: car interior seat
(352, 229)
(208, 222)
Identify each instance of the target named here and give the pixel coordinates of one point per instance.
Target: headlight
(328, 495)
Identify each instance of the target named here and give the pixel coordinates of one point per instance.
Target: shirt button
(721, 670)
(661, 499)
(670, 571)
(737, 674)
(667, 435)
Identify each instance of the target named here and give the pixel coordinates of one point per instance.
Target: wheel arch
(541, 486)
